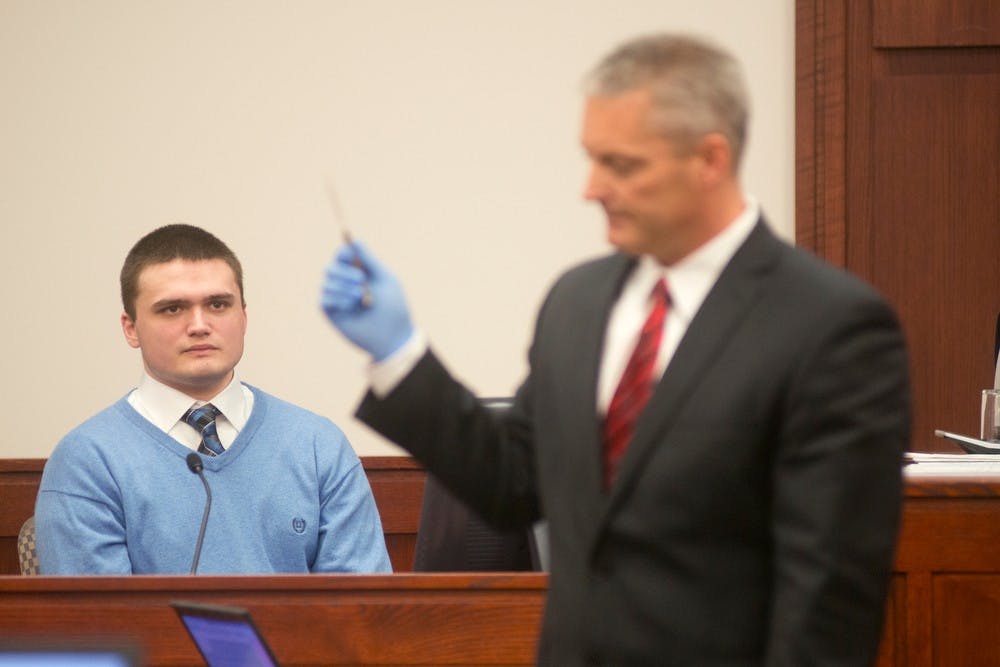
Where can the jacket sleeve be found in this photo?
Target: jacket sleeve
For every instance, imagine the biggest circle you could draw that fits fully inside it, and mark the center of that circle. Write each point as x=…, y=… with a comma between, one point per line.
x=485, y=459
x=837, y=491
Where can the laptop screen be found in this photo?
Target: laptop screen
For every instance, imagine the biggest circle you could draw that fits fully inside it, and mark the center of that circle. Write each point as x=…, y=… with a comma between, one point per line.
x=225, y=636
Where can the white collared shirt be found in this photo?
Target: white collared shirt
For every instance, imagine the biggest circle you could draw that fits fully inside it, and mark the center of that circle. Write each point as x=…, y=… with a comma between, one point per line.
x=688, y=281
x=164, y=406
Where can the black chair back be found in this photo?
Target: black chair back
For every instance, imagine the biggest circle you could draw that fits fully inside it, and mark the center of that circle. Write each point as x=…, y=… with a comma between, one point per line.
x=453, y=538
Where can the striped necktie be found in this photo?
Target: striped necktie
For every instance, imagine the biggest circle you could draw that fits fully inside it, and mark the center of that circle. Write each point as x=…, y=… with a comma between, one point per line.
x=635, y=386
x=203, y=420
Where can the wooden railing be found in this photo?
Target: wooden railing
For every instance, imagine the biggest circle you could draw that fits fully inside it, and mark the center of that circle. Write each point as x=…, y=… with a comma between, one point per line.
x=400, y=619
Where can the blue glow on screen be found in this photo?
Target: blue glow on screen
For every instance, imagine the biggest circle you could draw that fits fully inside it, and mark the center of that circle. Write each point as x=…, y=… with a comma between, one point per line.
x=228, y=643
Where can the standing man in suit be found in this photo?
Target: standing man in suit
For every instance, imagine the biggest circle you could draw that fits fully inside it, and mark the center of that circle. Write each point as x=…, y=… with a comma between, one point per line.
x=713, y=421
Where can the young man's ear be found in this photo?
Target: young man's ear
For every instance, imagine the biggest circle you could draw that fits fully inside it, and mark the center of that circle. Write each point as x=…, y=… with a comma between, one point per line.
x=128, y=328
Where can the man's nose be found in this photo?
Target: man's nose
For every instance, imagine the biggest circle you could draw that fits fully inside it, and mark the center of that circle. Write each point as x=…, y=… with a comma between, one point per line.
x=595, y=189
x=198, y=322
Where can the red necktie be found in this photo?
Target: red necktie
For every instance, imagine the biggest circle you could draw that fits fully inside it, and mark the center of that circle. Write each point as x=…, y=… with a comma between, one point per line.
x=635, y=387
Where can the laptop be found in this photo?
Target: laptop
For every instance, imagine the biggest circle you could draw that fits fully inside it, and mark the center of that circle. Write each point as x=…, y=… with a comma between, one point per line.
x=225, y=636
x=45, y=653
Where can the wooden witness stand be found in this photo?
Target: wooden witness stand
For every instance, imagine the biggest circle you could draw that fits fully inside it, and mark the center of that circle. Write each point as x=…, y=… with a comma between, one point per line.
x=401, y=619
x=398, y=619
x=942, y=608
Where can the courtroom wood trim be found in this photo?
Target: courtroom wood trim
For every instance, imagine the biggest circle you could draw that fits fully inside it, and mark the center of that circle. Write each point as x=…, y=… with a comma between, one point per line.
x=919, y=621
x=820, y=128
x=945, y=486
x=411, y=581
x=415, y=619
x=910, y=23
x=895, y=163
x=21, y=465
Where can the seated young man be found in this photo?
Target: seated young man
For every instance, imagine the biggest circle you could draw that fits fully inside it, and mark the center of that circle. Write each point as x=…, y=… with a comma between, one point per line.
x=117, y=497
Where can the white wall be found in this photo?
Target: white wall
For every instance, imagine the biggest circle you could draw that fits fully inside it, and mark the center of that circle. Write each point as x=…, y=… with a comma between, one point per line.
x=450, y=127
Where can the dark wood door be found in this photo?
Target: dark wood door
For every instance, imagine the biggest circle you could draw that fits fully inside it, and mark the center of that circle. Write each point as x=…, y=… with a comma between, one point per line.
x=898, y=179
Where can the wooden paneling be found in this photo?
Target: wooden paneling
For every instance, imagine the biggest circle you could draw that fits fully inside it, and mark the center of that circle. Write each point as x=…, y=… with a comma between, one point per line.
x=460, y=619
x=892, y=651
x=897, y=154
x=19, y=479
x=923, y=23
x=950, y=524
x=820, y=119
x=950, y=534
x=398, y=486
x=948, y=556
x=966, y=609
x=938, y=208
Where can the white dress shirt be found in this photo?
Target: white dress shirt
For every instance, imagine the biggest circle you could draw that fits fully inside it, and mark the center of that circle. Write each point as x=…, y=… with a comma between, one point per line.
x=688, y=282
x=164, y=406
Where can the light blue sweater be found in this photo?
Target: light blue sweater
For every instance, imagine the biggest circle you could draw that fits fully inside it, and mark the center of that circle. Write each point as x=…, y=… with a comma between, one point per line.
x=289, y=495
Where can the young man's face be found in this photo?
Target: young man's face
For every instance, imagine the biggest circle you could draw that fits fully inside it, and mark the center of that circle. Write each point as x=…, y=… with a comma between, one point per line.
x=189, y=325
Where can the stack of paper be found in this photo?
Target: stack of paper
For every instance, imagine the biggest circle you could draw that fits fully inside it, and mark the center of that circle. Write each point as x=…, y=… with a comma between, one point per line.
x=950, y=464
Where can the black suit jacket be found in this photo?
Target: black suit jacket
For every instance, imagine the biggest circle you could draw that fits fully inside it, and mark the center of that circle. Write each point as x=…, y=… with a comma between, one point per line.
x=755, y=512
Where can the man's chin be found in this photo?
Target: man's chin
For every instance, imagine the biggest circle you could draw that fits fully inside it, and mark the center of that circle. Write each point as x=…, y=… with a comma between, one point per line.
x=623, y=242
x=206, y=379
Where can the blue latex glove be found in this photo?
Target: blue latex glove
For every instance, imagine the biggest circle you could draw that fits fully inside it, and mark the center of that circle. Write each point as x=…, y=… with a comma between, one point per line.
x=380, y=327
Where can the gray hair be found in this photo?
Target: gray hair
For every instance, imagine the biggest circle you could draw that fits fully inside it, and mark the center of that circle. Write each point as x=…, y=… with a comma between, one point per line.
x=697, y=87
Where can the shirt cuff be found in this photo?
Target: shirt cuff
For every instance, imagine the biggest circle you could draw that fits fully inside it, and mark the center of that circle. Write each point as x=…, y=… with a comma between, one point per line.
x=385, y=375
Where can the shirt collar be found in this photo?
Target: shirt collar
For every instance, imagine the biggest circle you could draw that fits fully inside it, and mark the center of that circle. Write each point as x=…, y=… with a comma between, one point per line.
x=166, y=406
x=690, y=279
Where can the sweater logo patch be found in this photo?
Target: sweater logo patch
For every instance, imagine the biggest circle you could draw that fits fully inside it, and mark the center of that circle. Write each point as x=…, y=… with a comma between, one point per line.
x=299, y=525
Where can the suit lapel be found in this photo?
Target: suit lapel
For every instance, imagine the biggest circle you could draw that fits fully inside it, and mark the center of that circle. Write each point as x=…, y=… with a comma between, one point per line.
x=580, y=395
x=739, y=286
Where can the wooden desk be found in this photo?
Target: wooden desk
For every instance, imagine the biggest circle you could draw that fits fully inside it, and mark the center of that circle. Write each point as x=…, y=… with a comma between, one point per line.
x=944, y=606
x=415, y=619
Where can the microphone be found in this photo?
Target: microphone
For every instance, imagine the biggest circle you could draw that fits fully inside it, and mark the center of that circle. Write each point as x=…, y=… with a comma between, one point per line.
x=195, y=466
